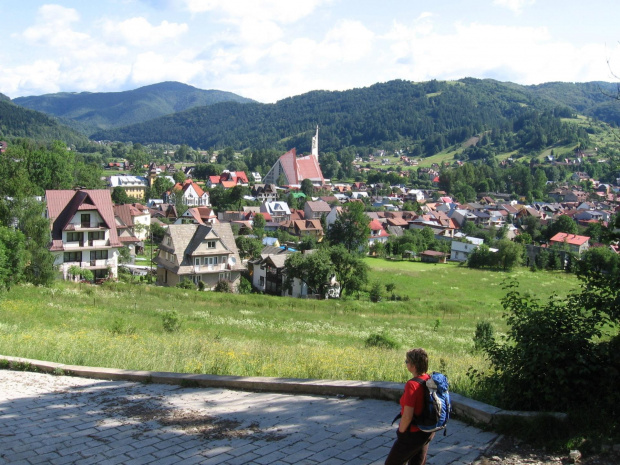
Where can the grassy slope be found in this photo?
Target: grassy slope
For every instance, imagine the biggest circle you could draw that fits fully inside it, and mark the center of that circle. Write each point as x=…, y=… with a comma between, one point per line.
x=121, y=325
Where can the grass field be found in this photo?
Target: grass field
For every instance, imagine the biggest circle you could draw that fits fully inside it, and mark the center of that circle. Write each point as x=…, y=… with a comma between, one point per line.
x=122, y=325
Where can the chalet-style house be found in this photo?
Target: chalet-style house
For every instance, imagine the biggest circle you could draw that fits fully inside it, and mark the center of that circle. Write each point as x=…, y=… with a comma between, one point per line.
x=228, y=179
x=377, y=233
x=198, y=215
x=191, y=194
x=134, y=186
x=291, y=170
x=265, y=192
x=199, y=253
x=135, y=216
x=575, y=243
x=268, y=270
x=269, y=275
x=302, y=228
x=83, y=231
x=315, y=210
x=279, y=212
x=132, y=225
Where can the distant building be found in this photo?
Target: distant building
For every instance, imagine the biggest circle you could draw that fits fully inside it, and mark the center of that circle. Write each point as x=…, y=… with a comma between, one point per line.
x=134, y=186
x=291, y=170
x=575, y=243
x=461, y=250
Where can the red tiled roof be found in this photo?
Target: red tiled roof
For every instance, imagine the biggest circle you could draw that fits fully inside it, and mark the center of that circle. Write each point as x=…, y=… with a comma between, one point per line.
x=186, y=184
x=62, y=206
x=572, y=239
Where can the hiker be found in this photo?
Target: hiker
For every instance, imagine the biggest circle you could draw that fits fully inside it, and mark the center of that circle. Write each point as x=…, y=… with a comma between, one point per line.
x=411, y=443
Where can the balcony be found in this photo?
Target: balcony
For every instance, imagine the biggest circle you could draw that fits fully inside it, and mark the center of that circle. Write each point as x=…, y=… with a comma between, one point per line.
x=85, y=226
x=208, y=268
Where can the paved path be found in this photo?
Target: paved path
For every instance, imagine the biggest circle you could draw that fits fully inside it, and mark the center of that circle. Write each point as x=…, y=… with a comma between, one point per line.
x=46, y=419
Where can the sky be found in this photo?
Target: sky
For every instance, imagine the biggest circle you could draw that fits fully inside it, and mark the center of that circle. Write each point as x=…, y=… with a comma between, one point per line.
x=268, y=50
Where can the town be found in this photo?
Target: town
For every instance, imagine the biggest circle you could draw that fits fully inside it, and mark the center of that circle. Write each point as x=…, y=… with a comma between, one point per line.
x=99, y=234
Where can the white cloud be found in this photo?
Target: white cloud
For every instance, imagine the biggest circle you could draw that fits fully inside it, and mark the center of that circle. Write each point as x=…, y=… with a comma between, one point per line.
x=53, y=27
x=151, y=67
x=139, y=32
x=527, y=55
x=514, y=5
x=279, y=11
x=253, y=31
x=38, y=77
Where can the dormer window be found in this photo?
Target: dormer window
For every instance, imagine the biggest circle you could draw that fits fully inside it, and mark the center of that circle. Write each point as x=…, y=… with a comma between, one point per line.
x=210, y=244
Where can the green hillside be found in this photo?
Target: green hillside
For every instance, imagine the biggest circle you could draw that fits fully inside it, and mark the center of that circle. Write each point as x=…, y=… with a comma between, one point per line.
x=16, y=121
x=104, y=110
x=422, y=118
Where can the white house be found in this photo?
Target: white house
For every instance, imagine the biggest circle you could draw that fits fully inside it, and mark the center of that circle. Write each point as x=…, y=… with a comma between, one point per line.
x=461, y=250
x=191, y=194
x=83, y=230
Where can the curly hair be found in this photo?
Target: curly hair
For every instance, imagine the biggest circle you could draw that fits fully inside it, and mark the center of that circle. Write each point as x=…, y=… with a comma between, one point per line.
x=419, y=359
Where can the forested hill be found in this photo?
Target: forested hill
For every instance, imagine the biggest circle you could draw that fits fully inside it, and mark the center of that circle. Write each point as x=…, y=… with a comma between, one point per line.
x=105, y=110
x=16, y=121
x=430, y=115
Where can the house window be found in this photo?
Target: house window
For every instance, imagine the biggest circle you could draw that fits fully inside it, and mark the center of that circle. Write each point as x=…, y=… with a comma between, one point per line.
x=225, y=276
x=96, y=235
x=75, y=236
x=100, y=274
x=262, y=281
x=210, y=244
x=197, y=261
x=99, y=255
x=85, y=220
x=72, y=257
x=168, y=240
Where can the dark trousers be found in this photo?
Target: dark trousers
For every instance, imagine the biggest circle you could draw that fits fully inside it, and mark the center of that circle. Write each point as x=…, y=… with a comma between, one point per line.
x=410, y=449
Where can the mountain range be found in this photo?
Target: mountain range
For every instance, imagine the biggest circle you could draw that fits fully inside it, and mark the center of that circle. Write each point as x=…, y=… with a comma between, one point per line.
x=92, y=111
x=428, y=115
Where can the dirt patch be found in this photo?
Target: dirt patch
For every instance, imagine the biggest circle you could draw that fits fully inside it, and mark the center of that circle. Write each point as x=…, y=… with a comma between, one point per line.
x=194, y=422
x=511, y=451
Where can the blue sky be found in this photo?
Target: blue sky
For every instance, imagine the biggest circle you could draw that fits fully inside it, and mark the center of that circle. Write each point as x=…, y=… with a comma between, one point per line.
x=272, y=49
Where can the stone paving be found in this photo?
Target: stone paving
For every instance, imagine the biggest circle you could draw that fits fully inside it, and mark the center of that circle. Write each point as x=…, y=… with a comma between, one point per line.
x=46, y=419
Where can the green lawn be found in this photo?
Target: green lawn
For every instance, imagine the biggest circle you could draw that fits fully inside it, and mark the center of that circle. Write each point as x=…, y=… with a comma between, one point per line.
x=121, y=325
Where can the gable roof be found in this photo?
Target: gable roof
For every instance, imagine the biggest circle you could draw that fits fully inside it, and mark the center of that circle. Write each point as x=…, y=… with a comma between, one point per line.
x=187, y=239
x=296, y=169
x=63, y=205
x=318, y=206
x=572, y=239
x=187, y=184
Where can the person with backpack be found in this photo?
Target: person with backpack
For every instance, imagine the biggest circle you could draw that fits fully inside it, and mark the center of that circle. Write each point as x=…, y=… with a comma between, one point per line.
x=412, y=443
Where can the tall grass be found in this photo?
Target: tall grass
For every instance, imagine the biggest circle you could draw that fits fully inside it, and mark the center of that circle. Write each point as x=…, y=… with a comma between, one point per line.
x=122, y=326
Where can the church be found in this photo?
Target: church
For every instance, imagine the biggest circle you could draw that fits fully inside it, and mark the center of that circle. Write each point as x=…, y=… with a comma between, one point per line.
x=290, y=170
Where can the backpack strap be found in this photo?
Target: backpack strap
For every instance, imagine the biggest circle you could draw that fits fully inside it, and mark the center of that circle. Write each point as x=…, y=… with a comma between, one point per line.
x=421, y=382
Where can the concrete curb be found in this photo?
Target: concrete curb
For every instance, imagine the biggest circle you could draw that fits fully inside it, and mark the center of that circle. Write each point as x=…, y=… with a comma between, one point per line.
x=462, y=406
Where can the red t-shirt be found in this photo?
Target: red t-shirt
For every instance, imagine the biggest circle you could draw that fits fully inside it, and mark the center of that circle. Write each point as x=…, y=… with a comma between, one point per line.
x=413, y=397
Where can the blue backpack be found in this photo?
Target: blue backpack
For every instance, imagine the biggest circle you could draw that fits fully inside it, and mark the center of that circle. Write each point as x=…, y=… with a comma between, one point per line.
x=437, y=406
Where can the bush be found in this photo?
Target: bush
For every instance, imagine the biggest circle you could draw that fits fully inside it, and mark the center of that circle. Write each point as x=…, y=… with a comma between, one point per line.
x=483, y=335
x=171, y=321
x=186, y=284
x=551, y=356
x=245, y=286
x=376, y=292
x=382, y=341
x=222, y=286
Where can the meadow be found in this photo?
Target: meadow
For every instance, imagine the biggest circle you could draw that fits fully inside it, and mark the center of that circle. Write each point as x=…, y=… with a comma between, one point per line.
x=138, y=326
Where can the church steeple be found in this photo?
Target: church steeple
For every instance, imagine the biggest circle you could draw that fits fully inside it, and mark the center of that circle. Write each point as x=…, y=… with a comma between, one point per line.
x=315, y=143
